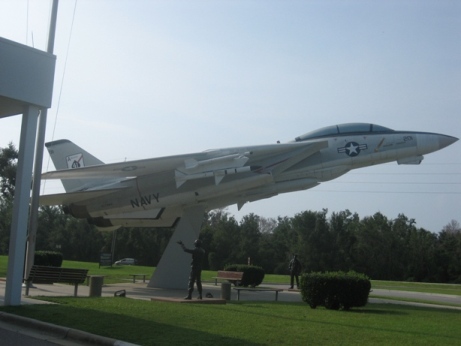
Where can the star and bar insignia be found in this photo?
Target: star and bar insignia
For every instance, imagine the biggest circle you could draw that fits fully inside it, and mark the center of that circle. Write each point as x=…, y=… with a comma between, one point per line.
x=352, y=149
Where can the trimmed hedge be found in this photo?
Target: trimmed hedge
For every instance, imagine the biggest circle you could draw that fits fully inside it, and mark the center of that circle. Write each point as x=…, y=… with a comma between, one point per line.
x=335, y=290
x=252, y=275
x=48, y=258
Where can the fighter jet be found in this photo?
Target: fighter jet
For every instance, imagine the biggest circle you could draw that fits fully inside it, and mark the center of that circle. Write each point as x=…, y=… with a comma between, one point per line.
x=175, y=191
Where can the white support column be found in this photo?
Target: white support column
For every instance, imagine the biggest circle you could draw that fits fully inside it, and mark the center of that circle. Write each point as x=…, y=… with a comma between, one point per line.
x=40, y=146
x=19, y=223
x=173, y=268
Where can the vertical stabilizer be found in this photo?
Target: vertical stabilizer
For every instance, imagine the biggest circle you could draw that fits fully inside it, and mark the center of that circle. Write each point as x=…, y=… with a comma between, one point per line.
x=67, y=155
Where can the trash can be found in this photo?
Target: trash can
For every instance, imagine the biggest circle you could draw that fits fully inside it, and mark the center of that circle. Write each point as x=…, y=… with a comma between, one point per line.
x=96, y=283
x=226, y=291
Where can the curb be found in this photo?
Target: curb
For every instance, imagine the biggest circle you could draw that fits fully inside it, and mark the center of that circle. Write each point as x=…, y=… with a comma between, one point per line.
x=60, y=332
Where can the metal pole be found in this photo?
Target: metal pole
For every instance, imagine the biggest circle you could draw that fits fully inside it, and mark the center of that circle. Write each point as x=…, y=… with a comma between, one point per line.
x=114, y=239
x=39, y=147
x=21, y=207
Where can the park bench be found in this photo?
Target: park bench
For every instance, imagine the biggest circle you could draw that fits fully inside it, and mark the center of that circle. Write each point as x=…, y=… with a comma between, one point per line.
x=234, y=277
x=141, y=275
x=258, y=289
x=50, y=275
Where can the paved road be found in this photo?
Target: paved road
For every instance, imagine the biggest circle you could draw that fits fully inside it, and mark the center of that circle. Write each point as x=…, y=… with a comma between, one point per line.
x=430, y=297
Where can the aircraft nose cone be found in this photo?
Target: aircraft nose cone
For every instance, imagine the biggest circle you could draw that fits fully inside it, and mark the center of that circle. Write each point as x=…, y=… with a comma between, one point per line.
x=445, y=141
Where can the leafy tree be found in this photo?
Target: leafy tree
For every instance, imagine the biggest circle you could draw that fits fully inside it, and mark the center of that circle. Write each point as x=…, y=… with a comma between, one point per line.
x=267, y=225
x=448, y=257
x=313, y=243
x=146, y=245
x=6, y=209
x=282, y=244
x=268, y=249
x=342, y=226
x=249, y=240
x=452, y=227
x=8, y=165
x=368, y=248
x=398, y=242
x=421, y=255
x=224, y=247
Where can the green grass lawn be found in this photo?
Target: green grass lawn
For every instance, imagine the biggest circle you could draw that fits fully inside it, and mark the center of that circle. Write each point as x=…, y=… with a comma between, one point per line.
x=249, y=323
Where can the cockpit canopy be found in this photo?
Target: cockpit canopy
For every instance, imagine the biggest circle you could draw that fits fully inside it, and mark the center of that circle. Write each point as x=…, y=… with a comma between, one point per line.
x=343, y=129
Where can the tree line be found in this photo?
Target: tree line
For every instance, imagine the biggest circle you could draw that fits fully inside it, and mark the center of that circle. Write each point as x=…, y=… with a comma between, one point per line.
x=379, y=247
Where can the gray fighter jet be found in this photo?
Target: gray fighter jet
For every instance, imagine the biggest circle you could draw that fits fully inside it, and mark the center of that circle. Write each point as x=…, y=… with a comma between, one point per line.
x=175, y=191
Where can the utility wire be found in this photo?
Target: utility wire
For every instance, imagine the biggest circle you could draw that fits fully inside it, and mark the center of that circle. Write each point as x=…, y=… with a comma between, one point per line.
x=392, y=192
x=391, y=182
x=64, y=72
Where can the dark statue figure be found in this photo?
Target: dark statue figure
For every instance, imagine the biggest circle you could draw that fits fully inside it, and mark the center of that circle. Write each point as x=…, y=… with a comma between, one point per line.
x=295, y=269
x=198, y=254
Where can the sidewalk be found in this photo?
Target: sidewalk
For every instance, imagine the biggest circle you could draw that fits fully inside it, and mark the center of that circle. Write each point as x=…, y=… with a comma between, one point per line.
x=139, y=290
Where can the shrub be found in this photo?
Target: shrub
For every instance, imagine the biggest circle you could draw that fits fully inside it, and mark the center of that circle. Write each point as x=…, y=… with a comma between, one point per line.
x=252, y=275
x=48, y=258
x=335, y=290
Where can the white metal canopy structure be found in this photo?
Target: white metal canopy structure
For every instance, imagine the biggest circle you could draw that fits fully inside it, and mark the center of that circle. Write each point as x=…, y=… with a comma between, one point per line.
x=26, y=85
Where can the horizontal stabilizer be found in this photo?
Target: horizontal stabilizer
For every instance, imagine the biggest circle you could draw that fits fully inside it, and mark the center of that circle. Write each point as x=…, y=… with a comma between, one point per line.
x=74, y=197
x=110, y=224
x=146, y=218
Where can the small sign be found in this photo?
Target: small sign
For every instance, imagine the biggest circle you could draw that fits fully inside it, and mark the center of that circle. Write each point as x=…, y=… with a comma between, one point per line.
x=105, y=260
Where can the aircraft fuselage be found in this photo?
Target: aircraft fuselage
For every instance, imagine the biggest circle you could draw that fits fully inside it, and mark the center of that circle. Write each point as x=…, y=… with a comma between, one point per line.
x=153, y=194
x=217, y=178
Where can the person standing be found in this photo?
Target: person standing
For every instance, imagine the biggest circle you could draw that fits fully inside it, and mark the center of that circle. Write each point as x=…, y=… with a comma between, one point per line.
x=198, y=254
x=295, y=269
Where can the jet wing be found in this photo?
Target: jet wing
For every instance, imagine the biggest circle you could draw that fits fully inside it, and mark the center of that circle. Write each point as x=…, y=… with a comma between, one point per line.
x=122, y=169
x=298, y=156
x=198, y=162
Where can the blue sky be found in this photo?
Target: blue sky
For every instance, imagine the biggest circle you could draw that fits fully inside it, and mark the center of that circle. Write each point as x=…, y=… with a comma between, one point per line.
x=140, y=79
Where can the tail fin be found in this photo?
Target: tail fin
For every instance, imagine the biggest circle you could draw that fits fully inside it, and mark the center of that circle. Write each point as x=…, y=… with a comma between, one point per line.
x=67, y=155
